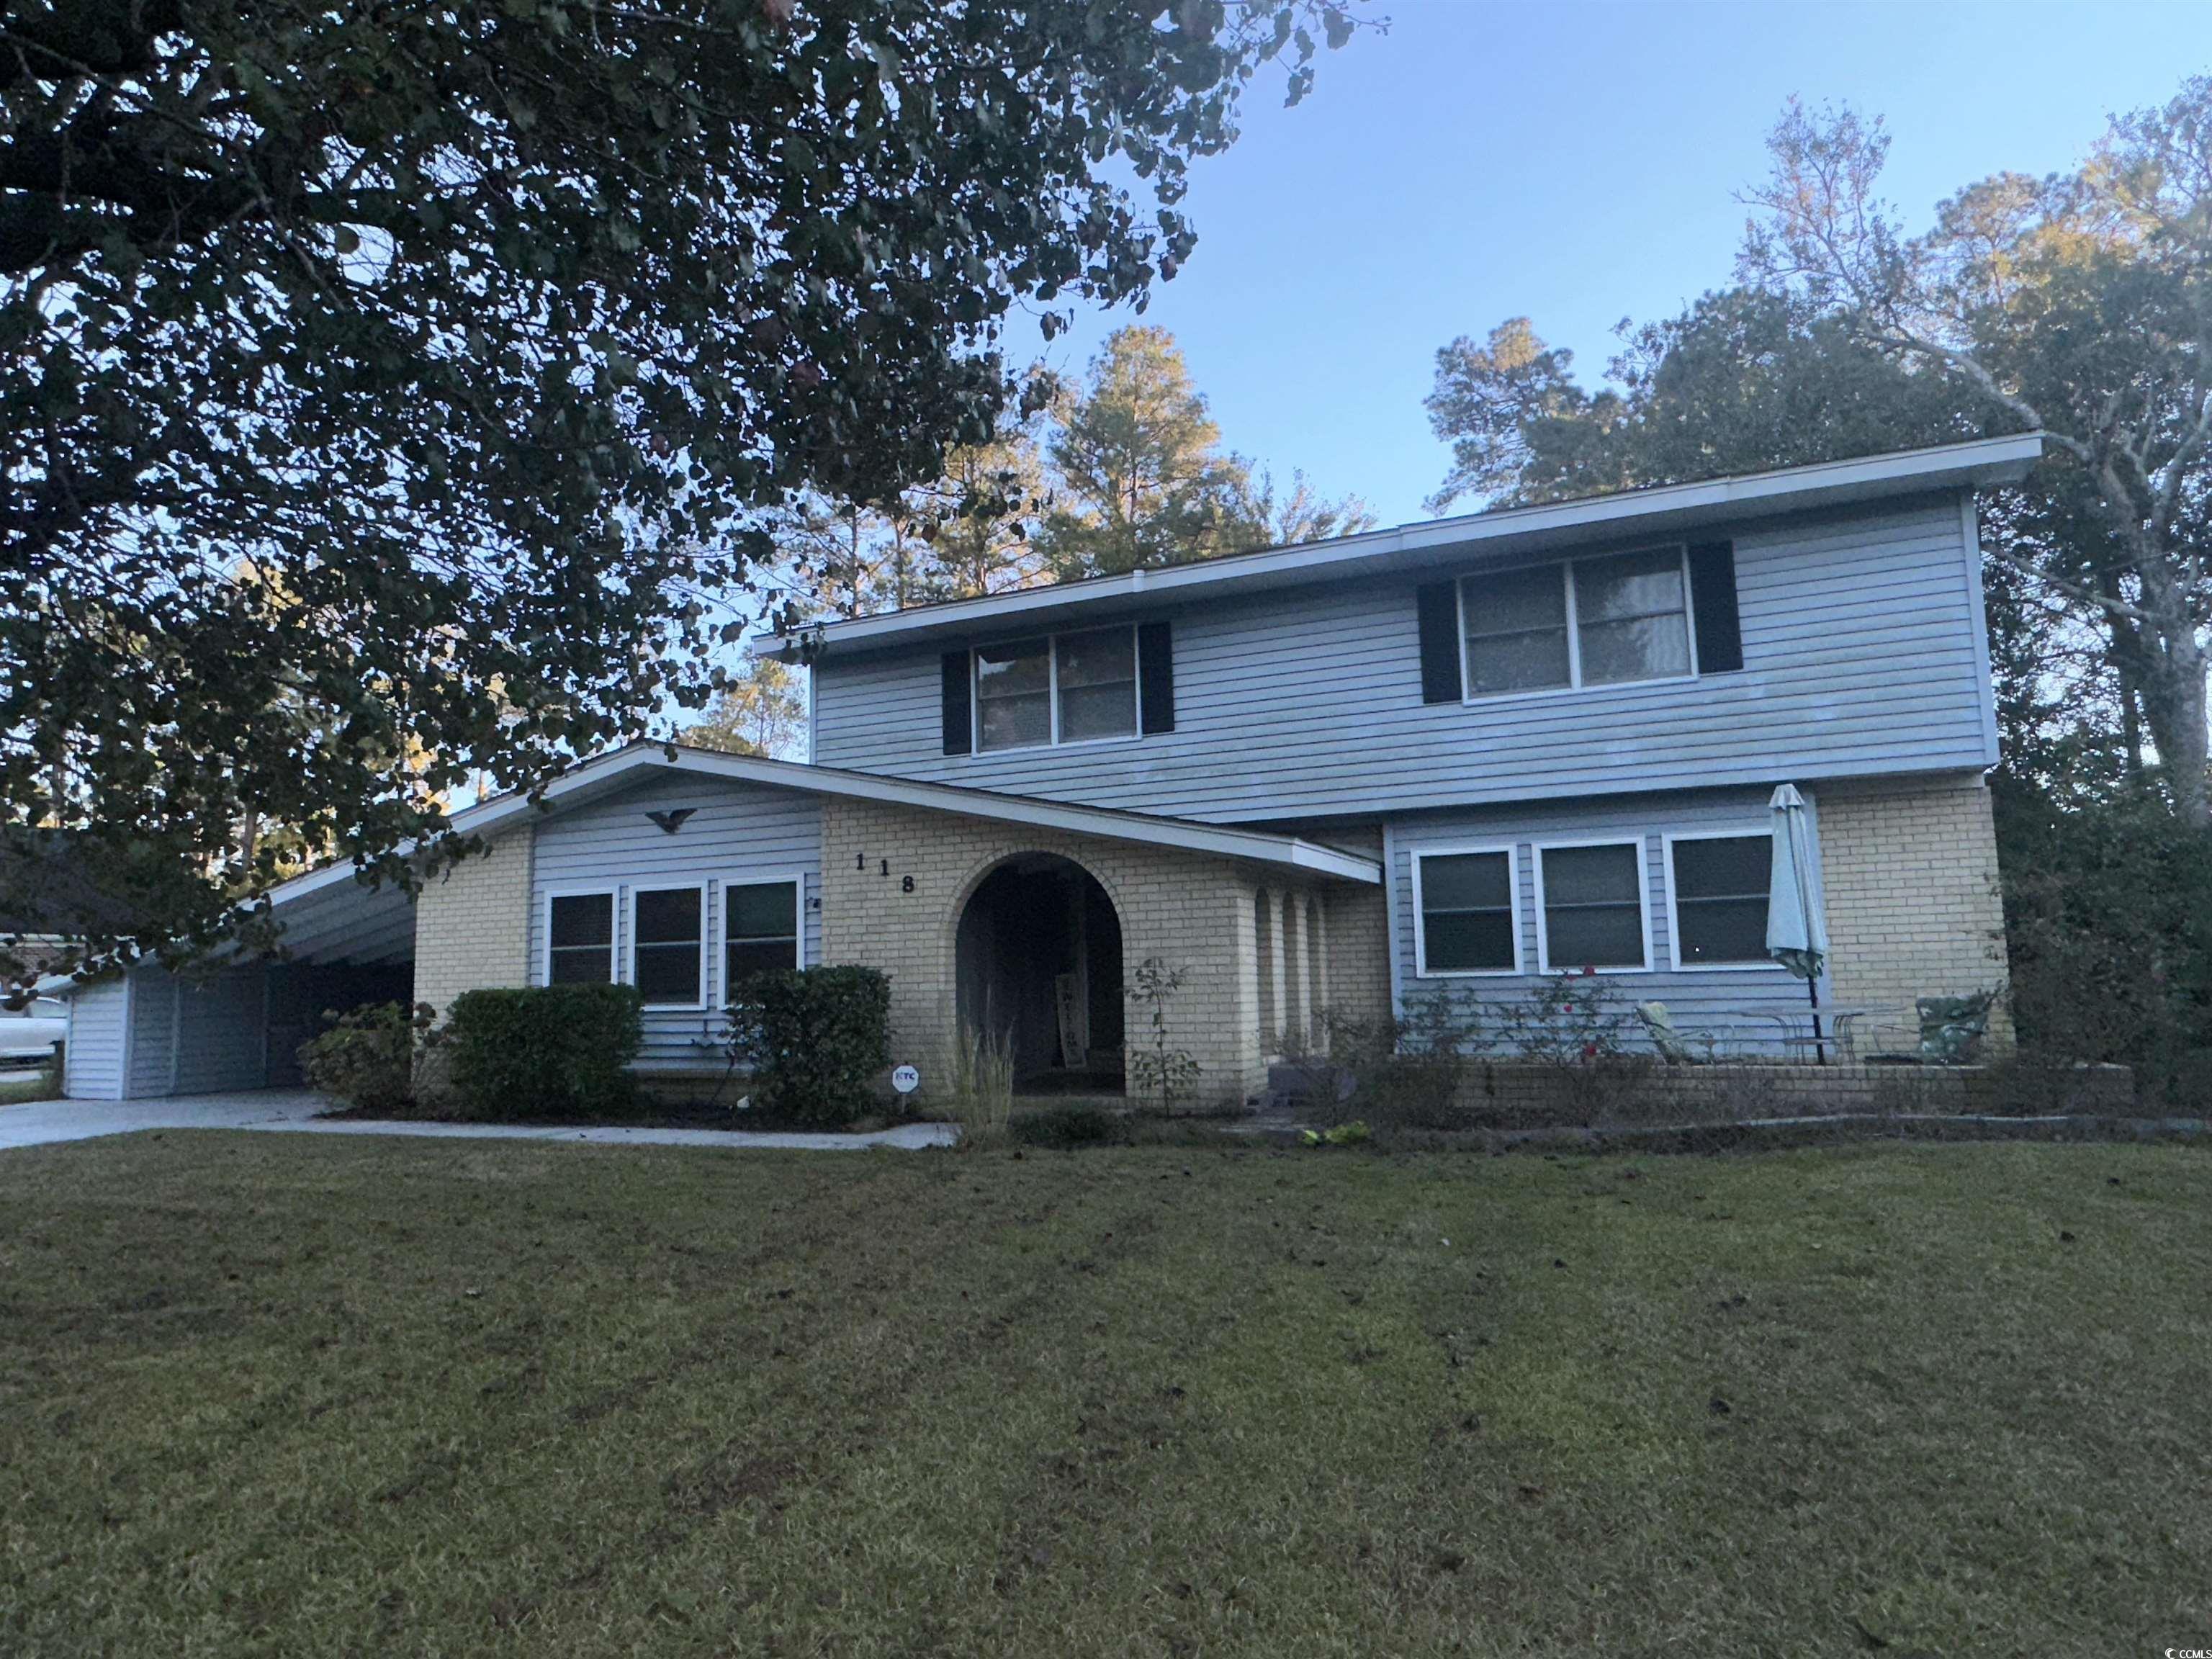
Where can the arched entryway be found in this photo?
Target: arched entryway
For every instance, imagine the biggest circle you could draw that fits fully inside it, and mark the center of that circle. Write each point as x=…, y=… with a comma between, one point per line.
x=1039, y=963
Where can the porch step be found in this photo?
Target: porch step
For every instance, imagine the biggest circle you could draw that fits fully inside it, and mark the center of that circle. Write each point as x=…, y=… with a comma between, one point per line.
x=1292, y=1083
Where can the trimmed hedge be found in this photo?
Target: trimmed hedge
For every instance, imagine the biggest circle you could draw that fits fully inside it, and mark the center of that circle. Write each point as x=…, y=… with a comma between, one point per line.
x=557, y=1051
x=816, y=1038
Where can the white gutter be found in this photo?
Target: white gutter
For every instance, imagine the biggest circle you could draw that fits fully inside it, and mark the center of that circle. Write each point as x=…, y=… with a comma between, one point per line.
x=1981, y=462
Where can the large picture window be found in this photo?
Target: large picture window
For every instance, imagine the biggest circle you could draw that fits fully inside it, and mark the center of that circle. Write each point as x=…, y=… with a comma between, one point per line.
x=580, y=933
x=667, y=946
x=1592, y=911
x=1606, y=621
x=1067, y=688
x=760, y=930
x=1717, y=886
x=1469, y=921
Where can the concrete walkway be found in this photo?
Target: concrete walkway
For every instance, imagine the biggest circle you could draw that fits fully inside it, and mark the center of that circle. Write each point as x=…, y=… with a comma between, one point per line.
x=44, y=1122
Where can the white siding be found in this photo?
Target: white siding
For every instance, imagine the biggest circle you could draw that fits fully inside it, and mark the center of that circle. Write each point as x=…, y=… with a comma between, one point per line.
x=1730, y=1002
x=737, y=831
x=1861, y=656
x=99, y=1031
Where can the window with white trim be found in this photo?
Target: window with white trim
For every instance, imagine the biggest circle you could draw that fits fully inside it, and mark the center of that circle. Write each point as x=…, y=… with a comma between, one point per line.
x=1469, y=921
x=1719, y=885
x=760, y=930
x=1063, y=688
x=667, y=946
x=1609, y=621
x=580, y=938
x=1593, y=909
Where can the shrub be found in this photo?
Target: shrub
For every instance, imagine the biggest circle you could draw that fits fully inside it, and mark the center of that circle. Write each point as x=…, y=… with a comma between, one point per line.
x=1156, y=1072
x=555, y=1051
x=816, y=1038
x=367, y=1057
x=1409, y=1073
x=1573, y=1025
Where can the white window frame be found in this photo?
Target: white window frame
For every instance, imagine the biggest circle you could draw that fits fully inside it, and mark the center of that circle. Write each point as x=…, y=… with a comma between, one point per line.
x=664, y=885
x=1052, y=684
x=1753, y=832
x=1641, y=840
x=1574, y=686
x=721, y=916
x=1512, y=851
x=612, y=894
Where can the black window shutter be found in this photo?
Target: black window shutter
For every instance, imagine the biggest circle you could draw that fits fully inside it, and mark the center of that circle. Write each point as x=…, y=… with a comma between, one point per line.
x=1439, y=607
x=959, y=725
x=1712, y=603
x=1155, y=674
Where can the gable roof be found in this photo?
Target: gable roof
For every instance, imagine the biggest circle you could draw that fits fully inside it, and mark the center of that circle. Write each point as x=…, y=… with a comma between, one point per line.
x=1661, y=509
x=621, y=768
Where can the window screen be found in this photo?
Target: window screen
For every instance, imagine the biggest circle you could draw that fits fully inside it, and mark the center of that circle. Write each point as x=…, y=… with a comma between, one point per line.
x=665, y=957
x=582, y=948
x=1098, y=684
x=1468, y=914
x=1517, y=631
x=1632, y=617
x=1013, y=694
x=1720, y=898
x=760, y=930
x=1593, y=907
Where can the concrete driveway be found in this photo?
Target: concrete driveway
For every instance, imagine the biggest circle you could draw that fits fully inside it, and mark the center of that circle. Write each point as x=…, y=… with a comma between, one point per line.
x=44, y=1122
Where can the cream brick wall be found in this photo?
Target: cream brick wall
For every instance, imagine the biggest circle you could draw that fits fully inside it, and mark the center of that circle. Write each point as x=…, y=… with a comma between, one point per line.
x=1910, y=868
x=1194, y=911
x=472, y=924
x=1359, y=925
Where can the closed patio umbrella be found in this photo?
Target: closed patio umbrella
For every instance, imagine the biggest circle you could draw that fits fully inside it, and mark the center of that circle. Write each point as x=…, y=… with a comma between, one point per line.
x=1795, y=936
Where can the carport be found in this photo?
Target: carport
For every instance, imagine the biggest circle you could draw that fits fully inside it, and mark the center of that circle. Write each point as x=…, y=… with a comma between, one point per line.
x=238, y=1023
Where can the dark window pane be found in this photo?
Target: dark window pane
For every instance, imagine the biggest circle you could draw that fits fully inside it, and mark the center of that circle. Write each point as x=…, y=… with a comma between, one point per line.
x=1457, y=942
x=1720, y=930
x=1097, y=711
x=741, y=961
x=1591, y=875
x=590, y=964
x=668, y=973
x=583, y=919
x=1517, y=662
x=1106, y=656
x=1603, y=936
x=1465, y=881
x=1514, y=601
x=761, y=910
x=1644, y=648
x=1734, y=866
x=1013, y=722
x=1004, y=671
x=1633, y=585
x=668, y=915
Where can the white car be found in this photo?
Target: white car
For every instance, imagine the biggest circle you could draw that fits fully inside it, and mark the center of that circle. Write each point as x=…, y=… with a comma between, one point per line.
x=29, y=1034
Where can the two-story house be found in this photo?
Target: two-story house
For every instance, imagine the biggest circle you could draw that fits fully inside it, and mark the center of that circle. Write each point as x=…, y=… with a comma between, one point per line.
x=1459, y=754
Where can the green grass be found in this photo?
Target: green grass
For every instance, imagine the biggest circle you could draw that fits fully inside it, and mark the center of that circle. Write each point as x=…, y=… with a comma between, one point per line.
x=264, y=1394
x=18, y=1088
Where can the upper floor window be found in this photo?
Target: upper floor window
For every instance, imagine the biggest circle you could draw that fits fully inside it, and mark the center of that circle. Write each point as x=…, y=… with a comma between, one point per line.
x=1065, y=688
x=1589, y=622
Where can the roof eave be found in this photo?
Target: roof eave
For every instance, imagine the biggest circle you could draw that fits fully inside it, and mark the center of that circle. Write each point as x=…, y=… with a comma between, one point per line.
x=1980, y=463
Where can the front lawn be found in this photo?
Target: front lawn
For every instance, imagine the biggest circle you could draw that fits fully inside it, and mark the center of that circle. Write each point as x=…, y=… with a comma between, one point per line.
x=297, y=1394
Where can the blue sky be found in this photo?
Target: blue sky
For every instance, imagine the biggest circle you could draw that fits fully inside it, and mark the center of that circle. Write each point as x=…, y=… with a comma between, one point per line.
x=1576, y=163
